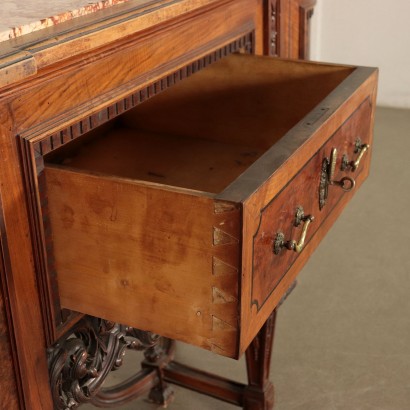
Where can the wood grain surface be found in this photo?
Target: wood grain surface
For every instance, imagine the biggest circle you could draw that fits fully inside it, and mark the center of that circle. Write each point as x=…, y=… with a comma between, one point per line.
x=164, y=259
x=8, y=389
x=241, y=99
x=22, y=291
x=194, y=163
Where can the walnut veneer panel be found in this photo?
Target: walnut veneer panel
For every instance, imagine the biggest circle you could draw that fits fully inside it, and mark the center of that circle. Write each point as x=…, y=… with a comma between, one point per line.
x=303, y=190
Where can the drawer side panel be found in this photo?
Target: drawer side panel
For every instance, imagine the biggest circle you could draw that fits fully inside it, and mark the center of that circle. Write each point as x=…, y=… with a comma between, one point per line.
x=154, y=259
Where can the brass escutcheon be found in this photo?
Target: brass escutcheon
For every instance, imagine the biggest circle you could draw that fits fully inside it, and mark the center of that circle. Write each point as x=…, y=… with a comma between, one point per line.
x=327, y=178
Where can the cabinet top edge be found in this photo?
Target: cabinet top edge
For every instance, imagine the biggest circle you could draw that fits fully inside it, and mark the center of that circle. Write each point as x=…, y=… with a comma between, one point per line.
x=22, y=57
x=17, y=20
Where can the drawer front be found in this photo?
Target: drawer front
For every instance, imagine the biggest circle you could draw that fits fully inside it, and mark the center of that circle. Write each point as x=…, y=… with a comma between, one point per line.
x=309, y=193
x=272, y=270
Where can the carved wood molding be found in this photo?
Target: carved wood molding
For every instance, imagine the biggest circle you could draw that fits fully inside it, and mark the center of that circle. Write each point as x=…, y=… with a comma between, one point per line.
x=272, y=28
x=80, y=362
x=306, y=9
x=50, y=142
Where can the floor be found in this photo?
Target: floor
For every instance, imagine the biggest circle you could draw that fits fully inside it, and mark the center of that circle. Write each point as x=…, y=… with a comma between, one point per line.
x=343, y=336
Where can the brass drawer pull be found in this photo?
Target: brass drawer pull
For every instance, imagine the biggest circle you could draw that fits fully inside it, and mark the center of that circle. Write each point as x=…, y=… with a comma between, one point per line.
x=360, y=149
x=293, y=245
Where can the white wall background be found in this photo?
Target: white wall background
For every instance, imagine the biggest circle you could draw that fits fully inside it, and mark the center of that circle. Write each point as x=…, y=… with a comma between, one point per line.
x=371, y=33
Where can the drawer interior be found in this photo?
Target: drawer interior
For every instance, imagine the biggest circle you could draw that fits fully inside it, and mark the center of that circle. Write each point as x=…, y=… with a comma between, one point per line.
x=205, y=131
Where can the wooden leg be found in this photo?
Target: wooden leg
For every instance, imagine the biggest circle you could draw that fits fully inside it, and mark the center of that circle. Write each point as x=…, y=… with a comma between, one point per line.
x=157, y=358
x=259, y=395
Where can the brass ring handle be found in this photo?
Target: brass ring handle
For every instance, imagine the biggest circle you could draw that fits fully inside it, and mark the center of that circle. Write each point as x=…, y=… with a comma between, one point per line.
x=346, y=183
x=354, y=164
x=328, y=169
x=293, y=245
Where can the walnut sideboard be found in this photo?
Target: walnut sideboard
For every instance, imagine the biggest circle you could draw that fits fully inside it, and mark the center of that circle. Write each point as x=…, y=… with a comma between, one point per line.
x=168, y=167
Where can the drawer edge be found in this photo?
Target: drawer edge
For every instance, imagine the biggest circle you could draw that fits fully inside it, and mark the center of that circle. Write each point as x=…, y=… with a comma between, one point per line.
x=288, y=155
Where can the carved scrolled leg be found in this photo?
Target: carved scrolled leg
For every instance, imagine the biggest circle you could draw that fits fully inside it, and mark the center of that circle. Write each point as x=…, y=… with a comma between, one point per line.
x=259, y=394
x=81, y=361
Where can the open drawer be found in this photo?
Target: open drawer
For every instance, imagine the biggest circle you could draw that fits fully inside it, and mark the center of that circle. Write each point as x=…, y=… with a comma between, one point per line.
x=191, y=214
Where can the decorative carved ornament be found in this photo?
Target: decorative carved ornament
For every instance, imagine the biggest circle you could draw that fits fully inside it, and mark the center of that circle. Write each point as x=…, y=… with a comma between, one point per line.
x=81, y=361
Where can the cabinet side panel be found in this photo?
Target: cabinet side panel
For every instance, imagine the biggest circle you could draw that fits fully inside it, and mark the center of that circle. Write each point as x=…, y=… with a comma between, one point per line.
x=8, y=388
x=21, y=290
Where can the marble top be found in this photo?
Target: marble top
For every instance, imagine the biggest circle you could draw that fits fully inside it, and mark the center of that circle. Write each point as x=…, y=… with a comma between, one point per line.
x=18, y=17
